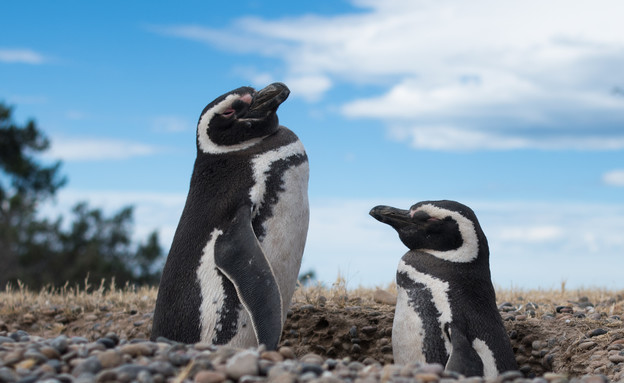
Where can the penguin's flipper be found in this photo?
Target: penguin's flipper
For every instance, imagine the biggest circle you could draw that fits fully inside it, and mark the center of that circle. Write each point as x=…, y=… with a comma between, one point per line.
x=240, y=258
x=464, y=358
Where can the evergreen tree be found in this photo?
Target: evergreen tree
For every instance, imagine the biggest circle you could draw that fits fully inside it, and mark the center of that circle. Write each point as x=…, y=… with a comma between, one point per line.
x=40, y=251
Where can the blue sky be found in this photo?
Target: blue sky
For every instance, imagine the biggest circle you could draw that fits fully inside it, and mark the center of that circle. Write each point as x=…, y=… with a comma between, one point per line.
x=514, y=109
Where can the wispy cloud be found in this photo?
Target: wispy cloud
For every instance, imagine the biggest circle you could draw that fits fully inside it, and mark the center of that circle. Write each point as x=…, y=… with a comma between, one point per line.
x=21, y=56
x=98, y=149
x=614, y=178
x=152, y=210
x=172, y=124
x=473, y=69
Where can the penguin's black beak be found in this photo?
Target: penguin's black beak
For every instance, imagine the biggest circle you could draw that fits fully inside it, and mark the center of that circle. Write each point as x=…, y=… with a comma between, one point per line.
x=268, y=99
x=394, y=217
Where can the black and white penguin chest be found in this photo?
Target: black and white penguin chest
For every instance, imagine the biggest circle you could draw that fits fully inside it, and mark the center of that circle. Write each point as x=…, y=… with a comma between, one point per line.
x=235, y=257
x=446, y=306
x=277, y=199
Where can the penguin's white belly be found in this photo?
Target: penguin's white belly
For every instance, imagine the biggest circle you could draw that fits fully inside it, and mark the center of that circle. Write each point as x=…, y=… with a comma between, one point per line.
x=286, y=232
x=408, y=332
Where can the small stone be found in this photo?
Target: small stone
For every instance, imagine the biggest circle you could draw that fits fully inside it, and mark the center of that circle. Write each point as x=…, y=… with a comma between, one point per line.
x=426, y=377
x=6, y=339
x=90, y=317
x=90, y=365
x=107, y=342
x=209, y=377
x=36, y=355
x=128, y=372
x=79, y=340
x=137, y=349
x=369, y=361
x=312, y=358
x=241, y=364
x=273, y=356
x=287, y=352
x=60, y=343
x=26, y=364
x=353, y=332
x=597, y=332
x=594, y=379
x=7, y=375
x=356, y=366
x=511, y=375
x=145, y=376
x=110, y=358
x=617, y=358
x=50, y=352
x=311, y=367
x=433, y=368
x=551, y=376
x=586, y=345
x=384, y=297
x=564, y=309
x=281, y=376
x=13, y=357
x=166, y=369
x=368, y=330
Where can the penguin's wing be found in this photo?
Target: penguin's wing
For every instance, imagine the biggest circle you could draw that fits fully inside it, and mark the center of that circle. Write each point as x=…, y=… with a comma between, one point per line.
x=464, y=358
x=240, y=258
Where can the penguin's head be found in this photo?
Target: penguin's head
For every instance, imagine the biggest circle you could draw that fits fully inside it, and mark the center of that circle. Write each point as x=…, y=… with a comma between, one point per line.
x=445, y=229
x=240, y=118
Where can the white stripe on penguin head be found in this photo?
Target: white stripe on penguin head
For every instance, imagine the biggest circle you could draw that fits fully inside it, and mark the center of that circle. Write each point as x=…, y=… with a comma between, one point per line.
x=205, y=143
x=469, y=250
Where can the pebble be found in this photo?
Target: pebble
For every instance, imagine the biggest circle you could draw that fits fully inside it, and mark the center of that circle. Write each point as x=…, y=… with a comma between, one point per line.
x=241, y=364
x=597, y=332
x=209, y=377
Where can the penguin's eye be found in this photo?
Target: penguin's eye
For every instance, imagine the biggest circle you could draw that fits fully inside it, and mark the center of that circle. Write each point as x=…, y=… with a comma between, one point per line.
x=229, y=112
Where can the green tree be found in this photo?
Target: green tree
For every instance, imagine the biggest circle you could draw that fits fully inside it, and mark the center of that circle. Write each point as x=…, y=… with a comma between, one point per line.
x=41, y=251
x=24, y=182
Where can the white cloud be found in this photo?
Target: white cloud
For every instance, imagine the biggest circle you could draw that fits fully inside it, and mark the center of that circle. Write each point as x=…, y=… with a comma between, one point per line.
x=172, y=124
x=153, y=210
x=476, y=68
x=310, y=87
x=97, y=149
x=531, y=233
x=21, y=56
x=614, y=178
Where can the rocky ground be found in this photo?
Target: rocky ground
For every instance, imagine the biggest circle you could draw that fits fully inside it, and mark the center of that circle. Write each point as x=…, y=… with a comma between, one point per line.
x=554, y=338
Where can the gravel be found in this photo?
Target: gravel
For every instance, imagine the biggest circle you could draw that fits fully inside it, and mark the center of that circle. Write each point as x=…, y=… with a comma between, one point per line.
x=74, y=359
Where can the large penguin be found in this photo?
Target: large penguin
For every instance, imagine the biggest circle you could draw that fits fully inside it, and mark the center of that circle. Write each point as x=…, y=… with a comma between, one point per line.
x=235, y=257
x=446, y=306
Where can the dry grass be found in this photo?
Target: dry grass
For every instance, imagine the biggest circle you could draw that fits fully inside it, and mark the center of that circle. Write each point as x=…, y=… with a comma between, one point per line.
x=76, y=299
x=108, y=296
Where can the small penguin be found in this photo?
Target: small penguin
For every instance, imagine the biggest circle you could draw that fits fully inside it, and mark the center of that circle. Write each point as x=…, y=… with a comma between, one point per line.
x=235, y=257
x=446, y=306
